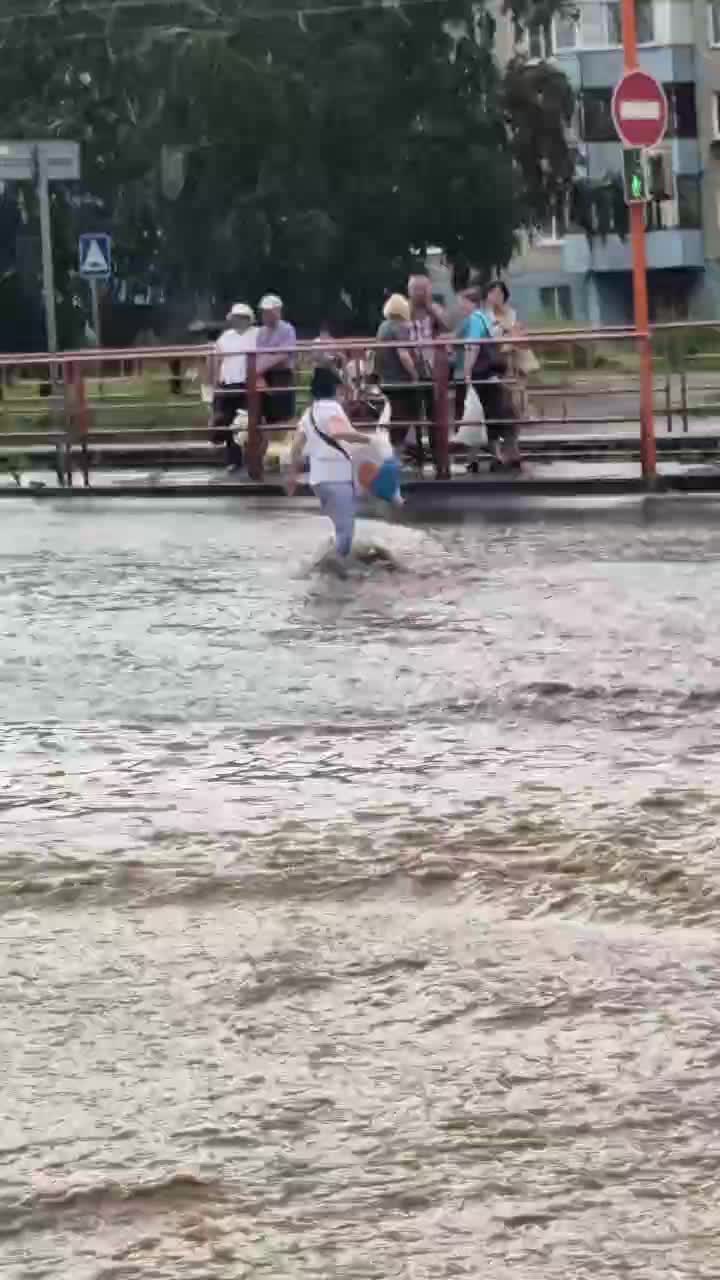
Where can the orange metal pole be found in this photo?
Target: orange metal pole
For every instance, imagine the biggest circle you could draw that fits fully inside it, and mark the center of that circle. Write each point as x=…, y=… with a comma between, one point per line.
x=648, y=450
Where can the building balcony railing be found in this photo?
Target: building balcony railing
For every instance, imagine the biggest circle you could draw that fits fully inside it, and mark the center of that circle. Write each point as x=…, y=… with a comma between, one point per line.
x=666, y=250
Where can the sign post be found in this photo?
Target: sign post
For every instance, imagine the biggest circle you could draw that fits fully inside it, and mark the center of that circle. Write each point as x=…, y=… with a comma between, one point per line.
x=95, y=311
x=42, y=163
x=640, y=112
x=48, y=266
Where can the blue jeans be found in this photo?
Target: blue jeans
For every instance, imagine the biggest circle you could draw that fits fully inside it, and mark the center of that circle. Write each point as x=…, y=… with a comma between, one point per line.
x=337, y=502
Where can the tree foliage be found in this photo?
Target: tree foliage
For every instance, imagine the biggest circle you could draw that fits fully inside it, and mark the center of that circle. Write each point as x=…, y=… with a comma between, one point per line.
x=231, y=149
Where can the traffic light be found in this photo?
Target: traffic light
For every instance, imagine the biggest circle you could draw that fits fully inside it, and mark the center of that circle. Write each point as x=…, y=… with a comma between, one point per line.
x=637, y=186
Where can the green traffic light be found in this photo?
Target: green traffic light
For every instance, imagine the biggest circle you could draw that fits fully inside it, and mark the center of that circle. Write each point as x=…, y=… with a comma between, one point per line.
x=636, y=178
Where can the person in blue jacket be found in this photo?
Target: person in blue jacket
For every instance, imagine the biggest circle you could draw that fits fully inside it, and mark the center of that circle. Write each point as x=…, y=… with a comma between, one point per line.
x=485, y=367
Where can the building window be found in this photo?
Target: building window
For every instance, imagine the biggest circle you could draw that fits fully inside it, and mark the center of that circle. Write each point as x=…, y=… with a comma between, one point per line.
x=556, y=301
x=597, y=121
x=552, y=230
x=683, y=111
x=556, y=225
x=716, y=115
x=645, y=17
x=596, y=24
x=661, y=176
x=598, y=125
x=541, y=44
x=689, y=201
x=714, y=21
x=566, y=31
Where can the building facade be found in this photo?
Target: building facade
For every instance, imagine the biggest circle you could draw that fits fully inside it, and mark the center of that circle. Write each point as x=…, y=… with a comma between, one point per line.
x=559, y=273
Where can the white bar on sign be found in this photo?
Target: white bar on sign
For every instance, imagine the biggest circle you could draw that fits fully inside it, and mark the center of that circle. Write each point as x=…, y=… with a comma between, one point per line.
x=640, y=110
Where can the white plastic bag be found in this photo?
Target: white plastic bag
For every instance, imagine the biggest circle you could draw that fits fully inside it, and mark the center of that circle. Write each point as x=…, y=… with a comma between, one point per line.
x=240, y=427
x=472, y=432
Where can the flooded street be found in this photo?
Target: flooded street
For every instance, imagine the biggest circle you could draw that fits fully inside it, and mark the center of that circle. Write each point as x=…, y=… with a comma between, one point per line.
x=359, y=930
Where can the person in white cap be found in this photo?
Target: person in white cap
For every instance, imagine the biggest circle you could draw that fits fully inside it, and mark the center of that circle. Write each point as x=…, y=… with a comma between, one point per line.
x=276, y=343
x=231, y=351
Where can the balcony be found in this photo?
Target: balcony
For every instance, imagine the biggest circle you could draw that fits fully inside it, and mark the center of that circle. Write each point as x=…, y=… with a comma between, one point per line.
x=665, y=250
x=603, y=68
x=600, y=158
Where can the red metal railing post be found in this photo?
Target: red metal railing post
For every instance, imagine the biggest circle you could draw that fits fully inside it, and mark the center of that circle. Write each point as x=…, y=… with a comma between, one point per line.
x=441, y=405
x=255, y=440
x=69, y=374
x=82, y=421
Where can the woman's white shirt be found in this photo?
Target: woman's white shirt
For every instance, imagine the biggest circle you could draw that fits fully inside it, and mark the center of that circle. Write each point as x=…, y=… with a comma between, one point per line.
x=328, y=465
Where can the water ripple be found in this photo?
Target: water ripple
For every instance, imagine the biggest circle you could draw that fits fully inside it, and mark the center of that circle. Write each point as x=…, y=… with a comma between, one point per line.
x=359, y=929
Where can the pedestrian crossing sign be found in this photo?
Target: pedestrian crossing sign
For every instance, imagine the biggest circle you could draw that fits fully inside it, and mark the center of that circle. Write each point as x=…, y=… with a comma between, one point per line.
x=95, y=255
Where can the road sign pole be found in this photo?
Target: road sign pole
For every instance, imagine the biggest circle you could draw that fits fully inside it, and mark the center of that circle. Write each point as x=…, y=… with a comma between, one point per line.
x=95, y=301
x=648, y=449
x=48, y=272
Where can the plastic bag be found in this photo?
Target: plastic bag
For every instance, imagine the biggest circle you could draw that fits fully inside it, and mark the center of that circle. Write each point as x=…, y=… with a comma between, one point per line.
x=381, y=441
x=472, y=431
x=240, y=427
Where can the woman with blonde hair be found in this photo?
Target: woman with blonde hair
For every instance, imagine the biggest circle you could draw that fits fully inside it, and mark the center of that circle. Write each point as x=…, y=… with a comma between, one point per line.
x=395, y=367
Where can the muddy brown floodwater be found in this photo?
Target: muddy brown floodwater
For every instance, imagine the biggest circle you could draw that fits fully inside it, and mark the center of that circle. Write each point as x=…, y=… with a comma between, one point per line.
x=363, y=929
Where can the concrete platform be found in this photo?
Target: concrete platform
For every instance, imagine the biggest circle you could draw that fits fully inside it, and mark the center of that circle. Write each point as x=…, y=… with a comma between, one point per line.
x=175, y=451
x=562, y=479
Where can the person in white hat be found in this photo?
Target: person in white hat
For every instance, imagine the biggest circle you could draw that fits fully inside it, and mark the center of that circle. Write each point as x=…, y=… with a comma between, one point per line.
x=231, y=351
x=276, y=343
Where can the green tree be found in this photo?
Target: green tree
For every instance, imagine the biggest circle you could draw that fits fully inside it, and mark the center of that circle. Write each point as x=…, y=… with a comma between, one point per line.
x=311, y=152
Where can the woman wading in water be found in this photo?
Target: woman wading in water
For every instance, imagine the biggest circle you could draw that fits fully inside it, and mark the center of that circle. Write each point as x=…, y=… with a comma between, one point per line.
x=322, y=435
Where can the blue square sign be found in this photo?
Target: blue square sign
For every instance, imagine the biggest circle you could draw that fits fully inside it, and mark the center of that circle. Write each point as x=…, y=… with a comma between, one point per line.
x=95, y=255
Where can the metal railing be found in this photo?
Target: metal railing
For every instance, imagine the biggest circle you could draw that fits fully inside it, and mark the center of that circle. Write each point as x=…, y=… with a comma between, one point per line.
x=77, y=402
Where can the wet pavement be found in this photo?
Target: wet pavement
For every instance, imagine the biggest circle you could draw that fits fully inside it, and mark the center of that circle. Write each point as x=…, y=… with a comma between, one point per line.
x=359, y=928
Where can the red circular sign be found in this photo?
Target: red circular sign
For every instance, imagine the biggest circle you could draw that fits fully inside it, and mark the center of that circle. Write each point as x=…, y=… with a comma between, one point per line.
x=640, y=110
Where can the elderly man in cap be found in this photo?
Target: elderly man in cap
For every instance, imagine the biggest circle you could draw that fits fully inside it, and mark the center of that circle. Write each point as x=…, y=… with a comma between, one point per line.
x=231, y=352
x=276, y=342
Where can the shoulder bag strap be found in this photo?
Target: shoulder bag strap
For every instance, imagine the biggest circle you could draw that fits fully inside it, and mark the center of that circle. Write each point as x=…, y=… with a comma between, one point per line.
x=334, y=444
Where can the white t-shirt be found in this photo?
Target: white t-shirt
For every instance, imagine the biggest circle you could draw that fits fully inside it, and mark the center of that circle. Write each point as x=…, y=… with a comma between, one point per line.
x=327, y=464
x=233, y=347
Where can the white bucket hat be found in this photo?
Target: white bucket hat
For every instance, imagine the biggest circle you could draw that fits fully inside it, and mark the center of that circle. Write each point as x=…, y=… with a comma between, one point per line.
x=241, y=309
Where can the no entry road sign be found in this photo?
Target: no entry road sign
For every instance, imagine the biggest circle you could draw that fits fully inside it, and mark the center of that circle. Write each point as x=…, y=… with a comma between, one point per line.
x=640, y=110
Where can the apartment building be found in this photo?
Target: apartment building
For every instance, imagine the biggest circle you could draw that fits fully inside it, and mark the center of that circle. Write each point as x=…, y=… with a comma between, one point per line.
x=559, y=272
